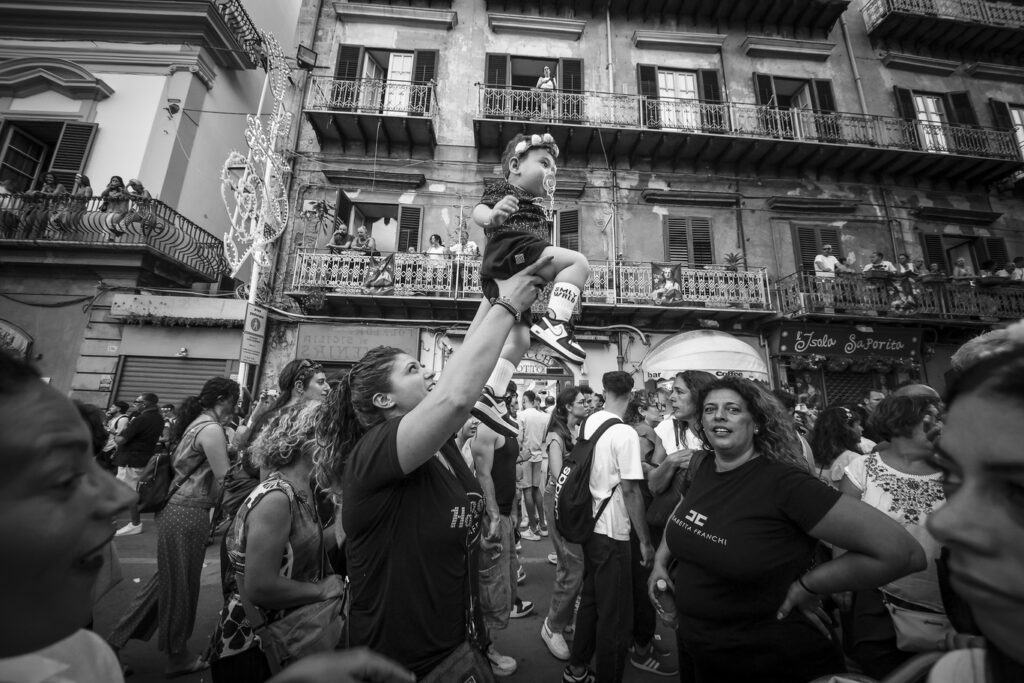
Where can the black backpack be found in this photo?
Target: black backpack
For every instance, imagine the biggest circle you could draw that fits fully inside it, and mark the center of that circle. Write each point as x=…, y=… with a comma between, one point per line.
x=573, y=501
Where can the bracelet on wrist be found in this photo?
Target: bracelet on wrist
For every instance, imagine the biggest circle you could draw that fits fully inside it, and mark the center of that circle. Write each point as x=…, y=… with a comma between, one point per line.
x=508, y=306
x=804, y=585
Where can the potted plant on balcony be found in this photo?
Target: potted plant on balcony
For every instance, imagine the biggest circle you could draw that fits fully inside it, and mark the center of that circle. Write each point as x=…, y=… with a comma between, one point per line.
x=733, y=260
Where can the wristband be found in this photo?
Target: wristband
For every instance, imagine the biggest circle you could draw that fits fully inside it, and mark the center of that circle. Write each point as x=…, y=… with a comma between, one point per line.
x=508, y=306
x=804, y=586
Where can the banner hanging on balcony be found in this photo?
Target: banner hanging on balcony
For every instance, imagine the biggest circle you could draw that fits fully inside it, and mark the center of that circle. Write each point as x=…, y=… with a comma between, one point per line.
x=716, y=352
x=833, y=340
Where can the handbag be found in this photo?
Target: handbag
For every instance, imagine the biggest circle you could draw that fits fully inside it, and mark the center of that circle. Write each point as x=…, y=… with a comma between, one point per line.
x=917, y=630
x=466, y=664
x=156, y=483
x=664, y=503
x=306, y=630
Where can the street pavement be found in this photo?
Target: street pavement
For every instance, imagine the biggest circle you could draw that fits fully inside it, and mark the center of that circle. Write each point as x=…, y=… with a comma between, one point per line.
x=521, y=640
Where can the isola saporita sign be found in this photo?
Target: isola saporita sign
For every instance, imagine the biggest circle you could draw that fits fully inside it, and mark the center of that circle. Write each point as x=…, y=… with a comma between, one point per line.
x=832, y=340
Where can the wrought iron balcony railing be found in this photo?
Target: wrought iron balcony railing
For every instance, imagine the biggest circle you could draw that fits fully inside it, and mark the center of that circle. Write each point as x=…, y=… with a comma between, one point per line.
x=372, y=96
x=742, y=119
x=610, y=283
x=242, y=26
x=143, y=222
x=1001, y=14
x=925, y=297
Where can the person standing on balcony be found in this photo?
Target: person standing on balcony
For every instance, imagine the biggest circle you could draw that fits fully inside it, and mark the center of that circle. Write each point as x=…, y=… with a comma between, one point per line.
x=71, y=218
x=46, y=201
x=341, y=241
x=878, y=263
x=517, y=231
x=436, y=251
x=115, y=201
x=141, y=208
x=825, y=263
x=465, y=248
x=363, y=243
x=961, y=269
x=546, y=84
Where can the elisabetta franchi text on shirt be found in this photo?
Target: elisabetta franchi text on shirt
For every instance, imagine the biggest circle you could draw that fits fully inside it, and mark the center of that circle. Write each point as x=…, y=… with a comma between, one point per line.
x=692, y=523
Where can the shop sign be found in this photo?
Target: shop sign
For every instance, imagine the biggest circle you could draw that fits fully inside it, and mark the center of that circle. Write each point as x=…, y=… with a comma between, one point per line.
x=349, y=343
x=832, y=340
x=253, y=335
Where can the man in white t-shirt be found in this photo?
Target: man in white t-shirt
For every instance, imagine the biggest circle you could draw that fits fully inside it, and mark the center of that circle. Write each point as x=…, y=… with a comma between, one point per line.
x=533, y=427
x=825, y=263
x=605, y=616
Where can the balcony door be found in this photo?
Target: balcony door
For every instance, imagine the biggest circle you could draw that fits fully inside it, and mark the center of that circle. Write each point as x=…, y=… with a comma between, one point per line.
x=678, y=100
x=932, y=121
x=399, y=82
x=371, y=84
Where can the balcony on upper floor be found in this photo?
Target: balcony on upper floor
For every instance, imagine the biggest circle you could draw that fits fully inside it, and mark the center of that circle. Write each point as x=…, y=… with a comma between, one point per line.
x=646, y=133
x=930, y=298
x=364, y=113
x=427, y=4
x=221, y=26
x=417, y=286
x=155, y=239
x=972, y=25
x=754, y=14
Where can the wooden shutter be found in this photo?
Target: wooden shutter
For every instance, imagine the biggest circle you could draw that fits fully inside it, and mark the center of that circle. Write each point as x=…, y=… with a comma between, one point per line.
x=647, y=86
x=824, y=100
x=496, y=71
x=410, y=219
x=349, y=62
x=570, y=78
x=808, y=240
x=1001, y=114
x=764, y=86
x=961, y=111
x=994, y=248
x=569, y=229
x=700, y=242
x=934, y=251
x=710, y=86
x=424, y=66
x=677, y=244
x=905, y=103
x=342, y=210
x=72, y=151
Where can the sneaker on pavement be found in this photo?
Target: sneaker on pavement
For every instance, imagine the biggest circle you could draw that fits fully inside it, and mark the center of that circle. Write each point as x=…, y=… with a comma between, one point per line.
x=524, y=523
x=555, y=642
x=651, y=662
x=543, y=531
x=530, y=535
x=521, y=609
x=520, y=575
x=558, y=338
x=129, y=529
x=502, y=665
x=553, y=558
x=586, y=677
x=494, y=414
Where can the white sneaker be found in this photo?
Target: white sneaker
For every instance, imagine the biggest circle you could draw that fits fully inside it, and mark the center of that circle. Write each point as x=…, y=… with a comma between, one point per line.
x=501, y=665
x=553, y=559
x=129, y=529
x=555, y=642
x=558, y=337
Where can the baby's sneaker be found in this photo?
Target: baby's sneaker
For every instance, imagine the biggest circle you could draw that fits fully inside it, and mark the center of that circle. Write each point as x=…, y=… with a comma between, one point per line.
x=558, y=337
x=493, y=413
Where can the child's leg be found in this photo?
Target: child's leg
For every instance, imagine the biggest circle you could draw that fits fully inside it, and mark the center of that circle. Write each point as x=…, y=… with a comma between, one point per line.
x=490, y=409
x=569, y=271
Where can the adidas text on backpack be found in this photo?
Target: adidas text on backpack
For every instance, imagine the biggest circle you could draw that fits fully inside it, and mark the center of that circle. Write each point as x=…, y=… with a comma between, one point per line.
x=574, y=518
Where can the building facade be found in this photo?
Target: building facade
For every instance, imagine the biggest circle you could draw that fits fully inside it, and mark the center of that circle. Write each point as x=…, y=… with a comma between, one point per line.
x=152, y=91
x=708, y=151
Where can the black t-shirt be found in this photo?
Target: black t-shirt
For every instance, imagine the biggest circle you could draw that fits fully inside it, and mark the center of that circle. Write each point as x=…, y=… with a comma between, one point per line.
x=741, y=539
x=503, y=473
x=529, y=218
x=140, y=438
x=408, y=539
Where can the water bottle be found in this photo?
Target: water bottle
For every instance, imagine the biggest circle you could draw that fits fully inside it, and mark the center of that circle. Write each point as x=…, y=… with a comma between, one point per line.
x=665, y=603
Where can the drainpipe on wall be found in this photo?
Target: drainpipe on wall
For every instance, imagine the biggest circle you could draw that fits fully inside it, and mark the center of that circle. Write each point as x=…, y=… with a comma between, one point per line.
x=853, y=65
x=614, y=223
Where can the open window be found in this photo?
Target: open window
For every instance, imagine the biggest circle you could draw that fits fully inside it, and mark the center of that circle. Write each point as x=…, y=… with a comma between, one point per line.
x=674, y=98
x=514, y=88
x=808, y=239
x=945, y=250
x=796, y=108
x=31, y=148
x=1010, y=116
x=381, y=80
x=937, y=118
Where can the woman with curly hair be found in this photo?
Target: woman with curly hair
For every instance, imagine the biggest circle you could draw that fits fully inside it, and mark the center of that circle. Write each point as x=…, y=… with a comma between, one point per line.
x=183, y=526
x=411, y=508
x=743, y=538
x=276, y=547
x=835, y=443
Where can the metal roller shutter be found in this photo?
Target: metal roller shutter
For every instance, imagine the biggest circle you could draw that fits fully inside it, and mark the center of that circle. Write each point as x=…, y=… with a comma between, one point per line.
x=172, y=379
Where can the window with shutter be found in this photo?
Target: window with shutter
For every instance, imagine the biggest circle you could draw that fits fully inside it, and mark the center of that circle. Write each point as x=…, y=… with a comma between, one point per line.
x=647, y=86
x=713, y=119
x=1001, y=114
x=342, y=210
x=570, y=76
x=961, y=110
x=410, y=219
x=677, y=243
x=72, y=151
x=807, y=240
x=994, y=248
x=423, y=72
x=347, y=68
x=497, y=71
x=700, y=242
x=569, y=229
x=688, y=241
x=496, y=104
x=934, y=251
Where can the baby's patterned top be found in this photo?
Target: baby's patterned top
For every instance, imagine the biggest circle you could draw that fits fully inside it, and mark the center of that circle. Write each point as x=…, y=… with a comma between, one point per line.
x=529, y=218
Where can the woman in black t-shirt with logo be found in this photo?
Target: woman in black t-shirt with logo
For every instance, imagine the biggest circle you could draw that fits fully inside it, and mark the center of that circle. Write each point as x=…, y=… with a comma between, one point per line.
x=749, y=603
x=411, y=508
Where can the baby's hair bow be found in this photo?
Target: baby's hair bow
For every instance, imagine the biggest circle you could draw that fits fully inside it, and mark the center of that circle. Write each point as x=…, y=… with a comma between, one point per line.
x=536, y=140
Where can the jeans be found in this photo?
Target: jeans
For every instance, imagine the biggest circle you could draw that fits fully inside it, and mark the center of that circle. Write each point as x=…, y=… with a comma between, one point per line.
x=568, y=572
x=498, y=568
x=604, y=622
x=645, y=619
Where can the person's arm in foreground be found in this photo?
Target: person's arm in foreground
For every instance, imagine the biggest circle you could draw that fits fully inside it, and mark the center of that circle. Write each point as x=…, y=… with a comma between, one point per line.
x=356, y=665
x=483, y=457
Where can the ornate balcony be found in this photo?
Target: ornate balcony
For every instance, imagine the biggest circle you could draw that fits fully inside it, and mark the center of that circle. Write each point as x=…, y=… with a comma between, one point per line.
x=446, y=289
x=953, y=301
x=663, y=134
x=156, y=238
x=972, y=25
x=362, y=113
x=221, y=26
x=813, y=14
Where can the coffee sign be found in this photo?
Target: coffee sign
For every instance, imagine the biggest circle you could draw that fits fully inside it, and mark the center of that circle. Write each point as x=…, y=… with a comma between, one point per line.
x=832, y=340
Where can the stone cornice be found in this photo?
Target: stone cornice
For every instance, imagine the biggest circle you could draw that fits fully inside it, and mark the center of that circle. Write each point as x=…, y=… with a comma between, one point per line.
x=943, y=214
x=28, y=76
x=549, y=27
x=399, y=16
x=719, y=200
x=677, y=41
x=921, y=65
x=787, y=48
x=380, y=180
x=811, y=205
x=564, y=189
x=996, y=72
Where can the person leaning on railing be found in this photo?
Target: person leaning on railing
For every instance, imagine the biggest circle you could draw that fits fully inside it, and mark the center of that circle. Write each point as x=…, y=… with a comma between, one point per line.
x=70, y=219
x=46, y=200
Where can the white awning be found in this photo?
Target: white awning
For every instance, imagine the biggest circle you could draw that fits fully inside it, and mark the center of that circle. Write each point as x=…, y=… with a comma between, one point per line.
x=716, y=352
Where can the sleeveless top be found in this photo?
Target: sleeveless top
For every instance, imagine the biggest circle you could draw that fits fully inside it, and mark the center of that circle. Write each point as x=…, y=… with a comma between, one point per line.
x=197, y=490
x=303, y=560
x=528, y=219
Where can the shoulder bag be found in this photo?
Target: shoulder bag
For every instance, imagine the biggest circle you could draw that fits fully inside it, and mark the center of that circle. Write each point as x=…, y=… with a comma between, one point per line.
x=664, y=503
x=156, y=483
x=918, y=629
